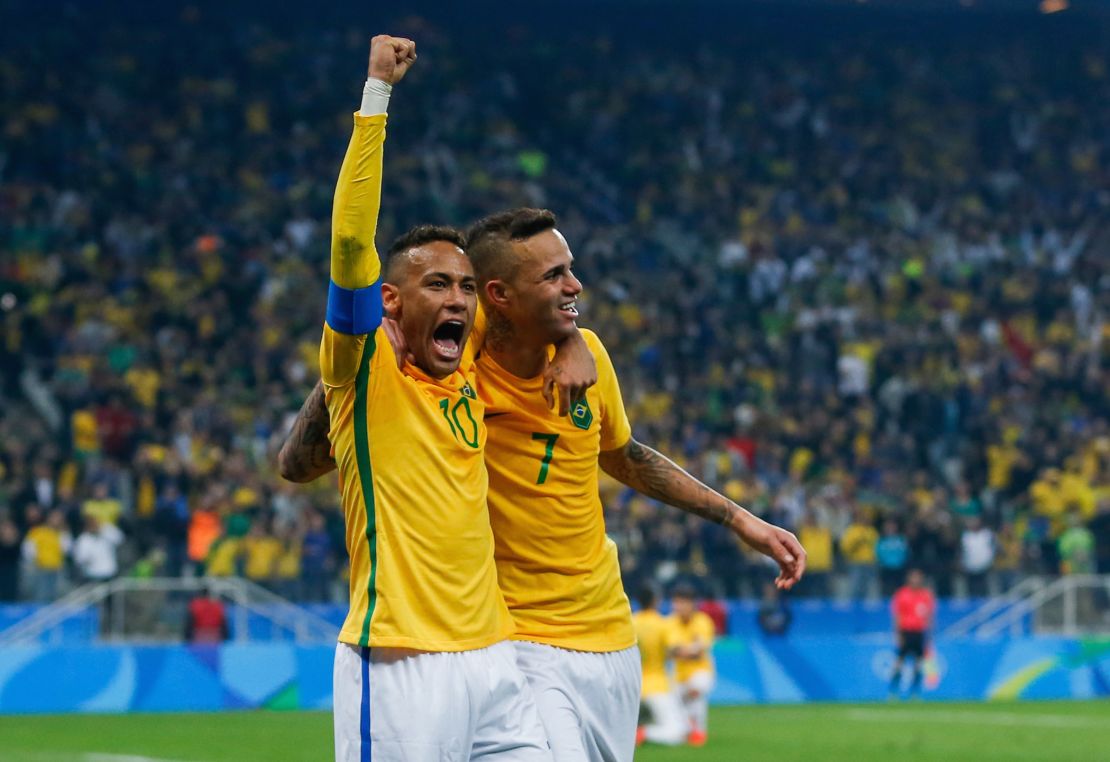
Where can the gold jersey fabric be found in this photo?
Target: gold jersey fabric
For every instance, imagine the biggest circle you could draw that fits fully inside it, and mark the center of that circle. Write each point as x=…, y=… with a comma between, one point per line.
x=656, y=638
x=698, y=630
x=557, y=568
x=410, y=454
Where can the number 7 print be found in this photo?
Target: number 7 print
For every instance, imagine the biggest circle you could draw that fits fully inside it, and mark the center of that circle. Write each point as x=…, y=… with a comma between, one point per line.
x=548, y=452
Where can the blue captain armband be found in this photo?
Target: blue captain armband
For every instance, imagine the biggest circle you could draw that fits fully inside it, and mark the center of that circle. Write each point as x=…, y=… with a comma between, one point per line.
x=355, y=310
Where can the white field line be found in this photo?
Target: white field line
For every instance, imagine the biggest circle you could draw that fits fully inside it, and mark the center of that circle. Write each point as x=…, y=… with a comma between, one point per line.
x=1005, y=719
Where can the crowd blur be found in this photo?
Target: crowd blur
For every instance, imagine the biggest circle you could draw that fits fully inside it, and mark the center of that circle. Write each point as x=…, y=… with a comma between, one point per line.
x=855, y=280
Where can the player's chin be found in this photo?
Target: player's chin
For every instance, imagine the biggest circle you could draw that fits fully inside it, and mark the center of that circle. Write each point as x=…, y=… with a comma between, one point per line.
x=564, y=326
x=444, y=367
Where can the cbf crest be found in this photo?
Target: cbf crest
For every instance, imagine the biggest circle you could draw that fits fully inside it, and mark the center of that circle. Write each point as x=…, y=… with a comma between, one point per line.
x=467, y=391
x=581, y=415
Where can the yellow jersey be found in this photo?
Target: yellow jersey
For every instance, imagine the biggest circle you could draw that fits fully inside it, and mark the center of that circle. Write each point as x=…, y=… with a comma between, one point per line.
x=262, y=554
x=50, y=547
x=656, y=638
x=857, y=544
x=557, y=568
x=409, y=449
x=698, y=631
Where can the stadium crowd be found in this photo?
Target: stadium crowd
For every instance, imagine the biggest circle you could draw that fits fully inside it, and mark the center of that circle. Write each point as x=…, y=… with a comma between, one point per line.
x=856, y=282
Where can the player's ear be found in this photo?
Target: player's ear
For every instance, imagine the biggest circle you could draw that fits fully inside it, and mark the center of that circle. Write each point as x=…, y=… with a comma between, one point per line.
x=391, y=301
x=497, y=293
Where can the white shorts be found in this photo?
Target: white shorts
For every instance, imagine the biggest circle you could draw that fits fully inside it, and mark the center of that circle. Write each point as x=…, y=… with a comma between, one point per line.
x=589, y=702
x=702, y=681
x=397, y=705
x=667, y=723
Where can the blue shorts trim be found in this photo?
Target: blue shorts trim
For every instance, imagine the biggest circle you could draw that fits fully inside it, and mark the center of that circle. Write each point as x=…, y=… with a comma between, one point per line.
x=364, y=714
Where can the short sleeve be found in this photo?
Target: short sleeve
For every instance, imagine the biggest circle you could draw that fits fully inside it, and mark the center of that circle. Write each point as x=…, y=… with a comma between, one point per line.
x=615, y=428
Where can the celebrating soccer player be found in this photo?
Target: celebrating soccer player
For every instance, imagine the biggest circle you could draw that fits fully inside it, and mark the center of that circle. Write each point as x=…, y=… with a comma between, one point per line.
x=421, y=670
x=556, y=566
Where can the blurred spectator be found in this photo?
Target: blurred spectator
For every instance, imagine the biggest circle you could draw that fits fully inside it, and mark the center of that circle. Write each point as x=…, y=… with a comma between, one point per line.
x=206, y=619
x=46, y=546
x=261, y=552
x=818, y=541
x=1100, y=529
x=857, y=547
x=774, y=615
x=102, y=506
x=171, y=527
x=287, y=570
x=95, y=552
x=977, y=554
x=1077, y=548
x=316, y=560
x=205, y=528
x=1008, y=559
x=892, y=553
x=225, y=557
x=11, y=557
x=932, y=544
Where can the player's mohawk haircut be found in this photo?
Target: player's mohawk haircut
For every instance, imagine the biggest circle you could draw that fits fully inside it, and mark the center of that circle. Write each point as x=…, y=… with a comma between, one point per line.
x=489, y=240
x=414, y=238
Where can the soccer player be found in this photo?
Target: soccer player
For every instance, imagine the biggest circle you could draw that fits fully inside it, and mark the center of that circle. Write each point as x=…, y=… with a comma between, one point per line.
x=655, y=637
x=913, y=607
x=422, y=671
x=693, y=660
x=556, y=566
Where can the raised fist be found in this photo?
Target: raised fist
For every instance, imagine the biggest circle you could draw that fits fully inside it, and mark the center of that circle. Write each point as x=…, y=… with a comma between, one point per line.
x=390, y=58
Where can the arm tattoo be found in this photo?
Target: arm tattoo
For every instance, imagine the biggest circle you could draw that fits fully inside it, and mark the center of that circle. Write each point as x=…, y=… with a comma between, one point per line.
x=306, y=454
x=649, y=472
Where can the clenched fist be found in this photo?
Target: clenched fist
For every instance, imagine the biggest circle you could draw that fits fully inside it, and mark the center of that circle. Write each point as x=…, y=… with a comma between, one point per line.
x=390, y=58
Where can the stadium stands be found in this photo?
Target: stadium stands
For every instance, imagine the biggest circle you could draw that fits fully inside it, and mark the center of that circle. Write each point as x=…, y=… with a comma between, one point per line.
x=845, y=279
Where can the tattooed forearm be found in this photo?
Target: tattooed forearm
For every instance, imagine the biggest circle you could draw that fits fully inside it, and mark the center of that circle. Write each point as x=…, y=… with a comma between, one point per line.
x=306, y=454
x=647, y=471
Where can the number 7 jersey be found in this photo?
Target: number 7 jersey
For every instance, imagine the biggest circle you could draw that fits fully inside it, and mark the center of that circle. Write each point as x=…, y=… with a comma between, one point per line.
x=556, y=567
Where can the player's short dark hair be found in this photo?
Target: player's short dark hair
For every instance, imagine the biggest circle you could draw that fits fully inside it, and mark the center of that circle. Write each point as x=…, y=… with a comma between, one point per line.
x=684, y=590
x=414, y=238
x=647, y=596
x=489, y=240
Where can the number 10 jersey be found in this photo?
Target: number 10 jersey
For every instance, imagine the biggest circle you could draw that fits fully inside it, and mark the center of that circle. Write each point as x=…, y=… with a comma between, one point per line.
x=413, y=481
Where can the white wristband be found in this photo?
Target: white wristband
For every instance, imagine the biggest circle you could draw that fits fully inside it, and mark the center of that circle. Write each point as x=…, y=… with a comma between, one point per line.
x=375, y=97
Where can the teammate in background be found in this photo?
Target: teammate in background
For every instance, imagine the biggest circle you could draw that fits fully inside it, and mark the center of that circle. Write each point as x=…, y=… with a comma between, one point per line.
x=913, y=607
x=692, y=637
x=556, y=567
x=667, y=722
x=422, y=671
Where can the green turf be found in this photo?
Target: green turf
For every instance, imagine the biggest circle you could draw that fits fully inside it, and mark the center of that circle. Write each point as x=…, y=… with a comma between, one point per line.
x=1056, y=732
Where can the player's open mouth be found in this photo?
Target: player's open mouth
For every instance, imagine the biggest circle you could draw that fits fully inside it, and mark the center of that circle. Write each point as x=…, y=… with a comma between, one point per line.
x=570, y=308
x=447, y=339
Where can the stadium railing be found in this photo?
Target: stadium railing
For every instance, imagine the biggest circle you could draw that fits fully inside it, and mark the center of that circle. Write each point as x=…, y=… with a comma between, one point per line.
x=154, y=610
x=1072, y=605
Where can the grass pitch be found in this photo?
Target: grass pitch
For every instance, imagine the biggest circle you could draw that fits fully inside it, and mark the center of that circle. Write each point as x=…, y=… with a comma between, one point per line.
x=1053, y=732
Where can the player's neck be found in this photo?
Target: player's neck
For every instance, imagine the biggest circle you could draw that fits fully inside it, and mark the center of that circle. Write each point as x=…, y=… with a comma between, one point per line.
x=513, y=352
